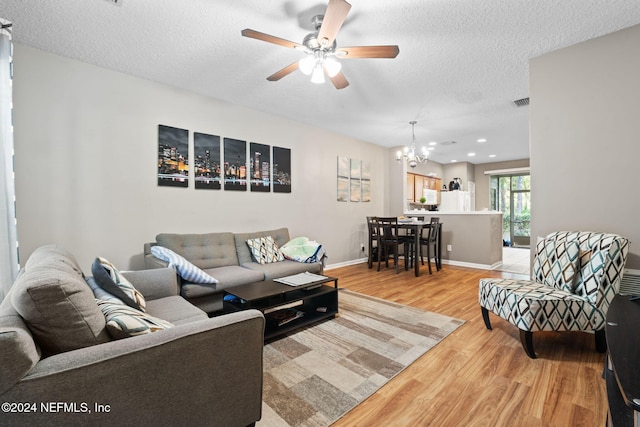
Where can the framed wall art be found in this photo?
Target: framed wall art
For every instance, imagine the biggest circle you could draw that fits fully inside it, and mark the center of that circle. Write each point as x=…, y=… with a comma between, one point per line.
x=281, y=170
x=365, y=185
x=206, y=165
x=235, y=165
x=343, y=179
x=173, y=156
x=260, y=167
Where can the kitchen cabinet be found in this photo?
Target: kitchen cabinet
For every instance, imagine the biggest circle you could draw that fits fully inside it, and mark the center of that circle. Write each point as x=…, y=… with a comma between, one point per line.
x=416, y=183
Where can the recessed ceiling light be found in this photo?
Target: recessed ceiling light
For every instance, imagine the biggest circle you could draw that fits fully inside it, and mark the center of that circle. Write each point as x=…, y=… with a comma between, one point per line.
x=431, y=148
x=433, y=143
x=492, y=155
x=471, y=154
x=482, y=140
x=453, y=161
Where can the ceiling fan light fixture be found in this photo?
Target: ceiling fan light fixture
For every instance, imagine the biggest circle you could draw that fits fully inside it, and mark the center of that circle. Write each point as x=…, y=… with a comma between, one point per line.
x=333, y=66
x=317, y=75
x=306, y=65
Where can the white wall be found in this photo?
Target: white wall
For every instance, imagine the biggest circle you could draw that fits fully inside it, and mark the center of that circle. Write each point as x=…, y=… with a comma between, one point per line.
x=585, y=135
x=86, y=157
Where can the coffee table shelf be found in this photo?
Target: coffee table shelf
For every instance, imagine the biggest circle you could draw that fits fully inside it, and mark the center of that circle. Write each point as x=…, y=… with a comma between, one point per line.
x=314, y=301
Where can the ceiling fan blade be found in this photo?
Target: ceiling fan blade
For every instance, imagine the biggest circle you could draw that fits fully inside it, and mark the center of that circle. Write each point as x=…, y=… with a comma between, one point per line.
x=334, y=17
x=270, y=39
x=284, y=72
x=367, y=52
x=339, y=81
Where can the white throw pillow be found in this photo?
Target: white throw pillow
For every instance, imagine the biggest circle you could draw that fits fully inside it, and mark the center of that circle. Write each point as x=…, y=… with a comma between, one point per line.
x=185, y=269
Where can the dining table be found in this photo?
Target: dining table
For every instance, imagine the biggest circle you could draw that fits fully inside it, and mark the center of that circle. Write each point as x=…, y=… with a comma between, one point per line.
x=416, y=228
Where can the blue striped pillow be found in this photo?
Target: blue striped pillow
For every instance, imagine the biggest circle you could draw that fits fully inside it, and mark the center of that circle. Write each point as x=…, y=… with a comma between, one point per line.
x=185, y=269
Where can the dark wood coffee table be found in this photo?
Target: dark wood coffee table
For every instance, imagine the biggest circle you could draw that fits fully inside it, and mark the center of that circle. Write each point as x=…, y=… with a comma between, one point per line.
x=285, y=307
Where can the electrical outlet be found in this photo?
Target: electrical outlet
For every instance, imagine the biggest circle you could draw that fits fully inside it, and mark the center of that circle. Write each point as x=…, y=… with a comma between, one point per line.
x=362, y=247
x=449, y=248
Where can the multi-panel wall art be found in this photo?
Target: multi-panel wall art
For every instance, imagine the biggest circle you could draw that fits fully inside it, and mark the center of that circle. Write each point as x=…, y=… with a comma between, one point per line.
x=235, y=164
x=260, y=167
x=221, y=163
x=206, y=150
x=281, y=170
x=173, y=156
x=354, y=180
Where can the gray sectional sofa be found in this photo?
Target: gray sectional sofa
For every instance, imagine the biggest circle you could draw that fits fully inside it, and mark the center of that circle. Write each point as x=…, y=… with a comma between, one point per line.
x=59, y=366
x=225, y=256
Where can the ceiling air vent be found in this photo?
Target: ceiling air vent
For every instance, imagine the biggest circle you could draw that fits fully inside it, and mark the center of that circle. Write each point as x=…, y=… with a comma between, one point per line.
x=115, y=2
x=521, y=102
x=447, y=143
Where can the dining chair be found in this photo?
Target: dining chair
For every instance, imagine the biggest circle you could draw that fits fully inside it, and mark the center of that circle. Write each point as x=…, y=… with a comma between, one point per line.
x=389, y=239
x=431, y=242
x=373, y=238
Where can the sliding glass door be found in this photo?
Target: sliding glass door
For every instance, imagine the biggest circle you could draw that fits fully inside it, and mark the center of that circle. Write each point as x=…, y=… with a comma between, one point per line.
x=511, y=194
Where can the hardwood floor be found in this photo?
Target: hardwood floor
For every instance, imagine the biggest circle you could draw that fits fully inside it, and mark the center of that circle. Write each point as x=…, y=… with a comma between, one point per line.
x=478, y=377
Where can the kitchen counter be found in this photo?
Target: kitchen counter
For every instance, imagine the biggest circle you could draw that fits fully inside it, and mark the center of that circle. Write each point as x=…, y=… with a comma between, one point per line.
x=469, y=238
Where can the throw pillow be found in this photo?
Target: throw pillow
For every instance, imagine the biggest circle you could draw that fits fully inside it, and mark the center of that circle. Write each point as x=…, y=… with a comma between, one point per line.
x=556, y=263
x=111, y=280
x=59, y=309
x=124, y=321
x=265, y=250
x=184, y=268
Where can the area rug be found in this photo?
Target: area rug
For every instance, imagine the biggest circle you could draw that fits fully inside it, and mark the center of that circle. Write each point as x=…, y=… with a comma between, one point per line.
x=316, y=375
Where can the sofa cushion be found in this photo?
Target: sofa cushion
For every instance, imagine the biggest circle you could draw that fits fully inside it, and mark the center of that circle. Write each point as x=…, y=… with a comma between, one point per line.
x=108, y=277
x=19, y=352
x=209, y=250
x=124, y=321
x=176, y=310
x=265, y=250
x=280, y=236
x=556, y=263
x=184, y=268
x=57, y=305
x=284, y=268
x=227, y=276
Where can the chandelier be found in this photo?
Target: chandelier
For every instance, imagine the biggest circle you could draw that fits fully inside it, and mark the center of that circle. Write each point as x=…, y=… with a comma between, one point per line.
x=409, y=153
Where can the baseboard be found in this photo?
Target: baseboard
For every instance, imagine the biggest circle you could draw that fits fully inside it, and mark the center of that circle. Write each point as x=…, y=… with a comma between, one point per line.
x=444, y=261
x=472, y=265
x=346, y=263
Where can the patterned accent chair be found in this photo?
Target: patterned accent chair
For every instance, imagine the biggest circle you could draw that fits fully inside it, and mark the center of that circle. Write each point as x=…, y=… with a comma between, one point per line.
x=576, y=275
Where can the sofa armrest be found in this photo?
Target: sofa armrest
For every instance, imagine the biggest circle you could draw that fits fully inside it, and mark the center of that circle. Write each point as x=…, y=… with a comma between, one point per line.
x=154, y=283
x=203, y=373
x=150, y=261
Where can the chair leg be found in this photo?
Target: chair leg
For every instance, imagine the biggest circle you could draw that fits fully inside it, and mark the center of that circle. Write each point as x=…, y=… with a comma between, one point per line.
x=485, y=317
x=526, y=338
x=396, y=258
x=429, y=257
x=601, y=341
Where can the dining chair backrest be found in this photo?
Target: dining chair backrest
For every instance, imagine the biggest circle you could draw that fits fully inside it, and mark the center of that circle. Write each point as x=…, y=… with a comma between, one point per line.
x=434, y=229
x=387, y=227
x=372, y=225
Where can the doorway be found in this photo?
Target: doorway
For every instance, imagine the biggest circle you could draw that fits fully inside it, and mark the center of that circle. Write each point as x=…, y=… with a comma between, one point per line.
x=511, y=195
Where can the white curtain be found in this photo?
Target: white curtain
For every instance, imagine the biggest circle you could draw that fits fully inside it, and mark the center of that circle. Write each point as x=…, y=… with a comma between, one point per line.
x=9, y=265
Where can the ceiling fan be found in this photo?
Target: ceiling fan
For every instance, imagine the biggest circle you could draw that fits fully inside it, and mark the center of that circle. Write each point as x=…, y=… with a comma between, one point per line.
x=320, y=48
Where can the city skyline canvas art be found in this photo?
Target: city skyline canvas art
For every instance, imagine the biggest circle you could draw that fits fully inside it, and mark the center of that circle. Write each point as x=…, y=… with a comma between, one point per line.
x=206, y=165
x=235, y=164
x=260, y=167
x=281, y=170
x=173, y=156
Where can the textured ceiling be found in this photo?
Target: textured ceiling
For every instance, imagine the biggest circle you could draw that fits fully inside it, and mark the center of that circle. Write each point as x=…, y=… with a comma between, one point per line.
x=461, y=62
